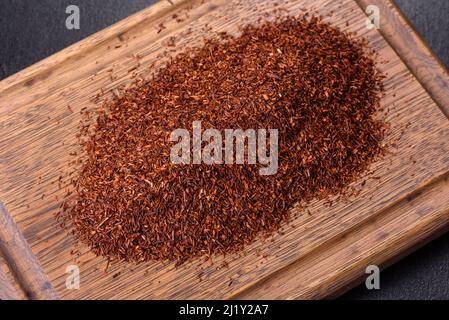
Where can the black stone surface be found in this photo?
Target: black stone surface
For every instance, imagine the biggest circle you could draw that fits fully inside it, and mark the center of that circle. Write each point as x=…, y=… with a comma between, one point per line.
x=31, y=30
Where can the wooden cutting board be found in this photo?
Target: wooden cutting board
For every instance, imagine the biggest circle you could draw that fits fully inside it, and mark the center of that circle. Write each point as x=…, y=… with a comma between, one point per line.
x=403, y=203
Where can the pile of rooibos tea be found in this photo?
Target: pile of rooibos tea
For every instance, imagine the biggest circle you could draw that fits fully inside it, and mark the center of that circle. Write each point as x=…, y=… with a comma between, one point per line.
x=160, y=180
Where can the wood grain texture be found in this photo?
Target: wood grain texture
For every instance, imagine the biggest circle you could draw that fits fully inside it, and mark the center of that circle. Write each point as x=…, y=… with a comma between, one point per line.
x=413, y=50
x=317, y=254
x=21, y=260
x=385, y=236
x=8, y=289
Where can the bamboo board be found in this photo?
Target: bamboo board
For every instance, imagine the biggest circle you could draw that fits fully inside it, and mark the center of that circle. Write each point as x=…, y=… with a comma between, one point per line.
x=402, y=204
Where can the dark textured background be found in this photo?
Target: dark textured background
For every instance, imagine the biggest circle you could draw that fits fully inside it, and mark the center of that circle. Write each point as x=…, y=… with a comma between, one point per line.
x=31, y=30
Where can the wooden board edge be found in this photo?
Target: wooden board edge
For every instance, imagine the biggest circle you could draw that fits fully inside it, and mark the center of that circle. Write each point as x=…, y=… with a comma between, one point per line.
x=42, y=68
x=317, y=275
x=389, y=262
x=7, y=284
x=21, y=261
x=413, y=51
